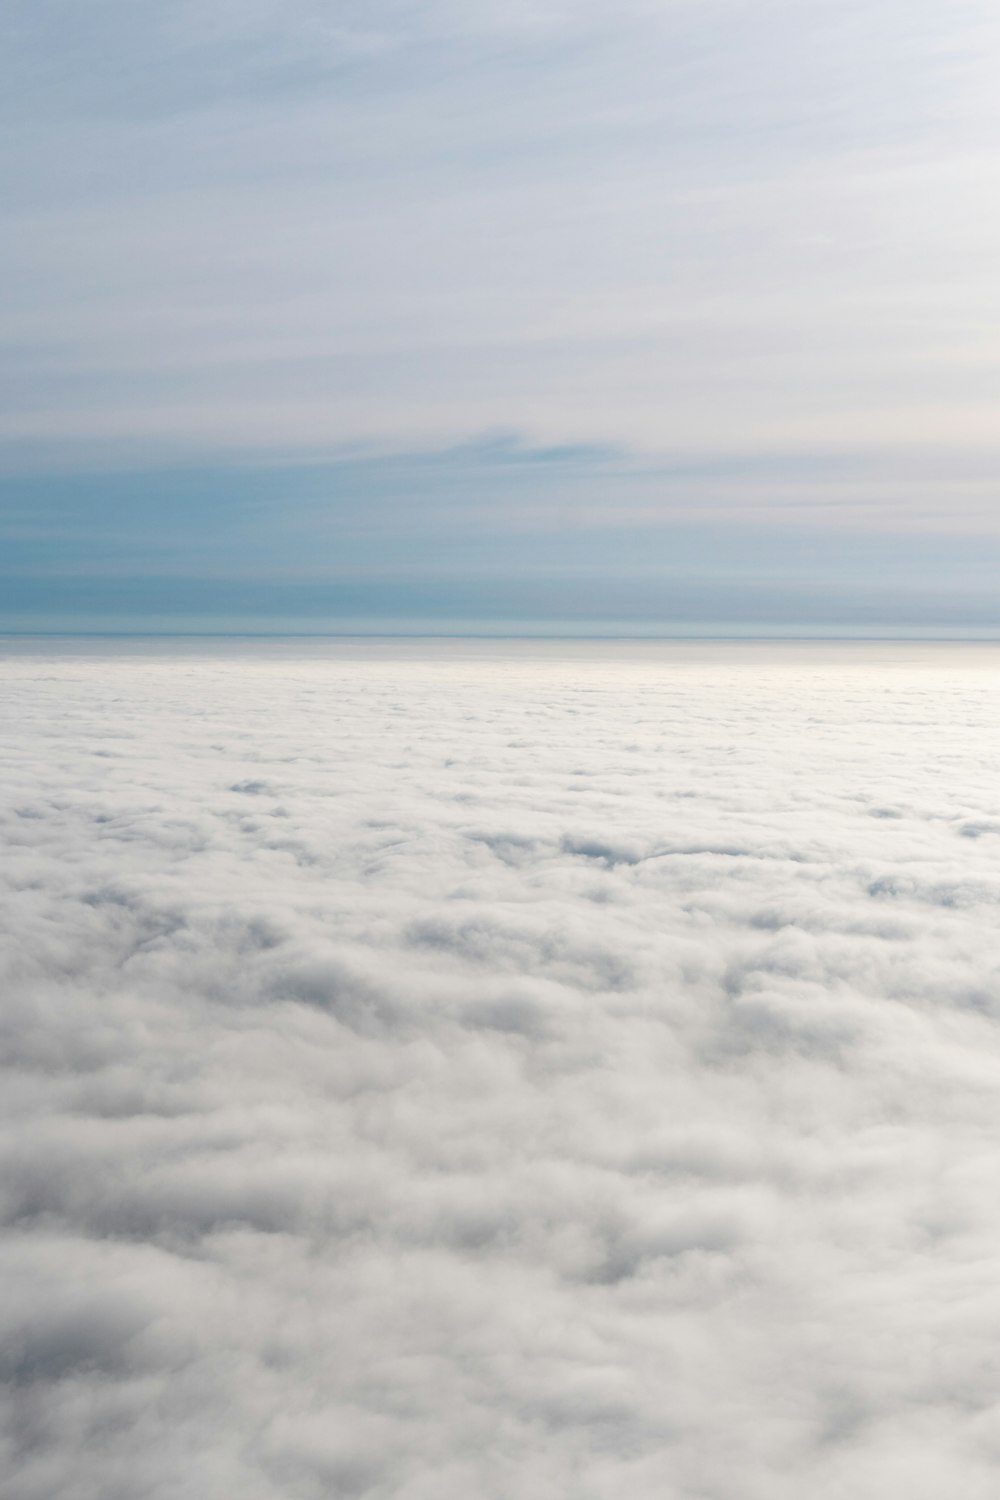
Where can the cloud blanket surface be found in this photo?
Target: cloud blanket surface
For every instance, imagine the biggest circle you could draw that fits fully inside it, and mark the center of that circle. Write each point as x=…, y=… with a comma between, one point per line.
x=501, y=1073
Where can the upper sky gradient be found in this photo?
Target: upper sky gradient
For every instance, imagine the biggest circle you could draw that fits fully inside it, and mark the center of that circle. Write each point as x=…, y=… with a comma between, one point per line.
x=665, y=313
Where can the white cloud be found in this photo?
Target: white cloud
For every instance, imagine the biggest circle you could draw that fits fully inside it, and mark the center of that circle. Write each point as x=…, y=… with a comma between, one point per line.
x=499, y=1071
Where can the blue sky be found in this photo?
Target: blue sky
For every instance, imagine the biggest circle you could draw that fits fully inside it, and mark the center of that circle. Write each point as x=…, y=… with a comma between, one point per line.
x=652, y=312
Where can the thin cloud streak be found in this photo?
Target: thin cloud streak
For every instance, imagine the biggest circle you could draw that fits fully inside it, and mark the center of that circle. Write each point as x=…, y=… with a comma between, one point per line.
x=707, y=228
x=501, y=531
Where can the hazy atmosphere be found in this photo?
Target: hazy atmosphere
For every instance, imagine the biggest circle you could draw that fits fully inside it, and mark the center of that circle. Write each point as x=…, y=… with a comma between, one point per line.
x=323, y=315
x=499, y=722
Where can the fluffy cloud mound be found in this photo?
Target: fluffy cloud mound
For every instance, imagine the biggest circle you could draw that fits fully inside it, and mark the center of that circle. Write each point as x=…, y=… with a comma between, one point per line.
x=497, y=1074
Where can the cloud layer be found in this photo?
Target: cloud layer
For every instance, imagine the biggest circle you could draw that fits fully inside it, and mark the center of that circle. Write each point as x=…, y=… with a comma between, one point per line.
x=464, y=1073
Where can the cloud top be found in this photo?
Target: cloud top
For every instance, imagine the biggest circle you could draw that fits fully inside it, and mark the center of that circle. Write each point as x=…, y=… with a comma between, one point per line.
x=481, y=1071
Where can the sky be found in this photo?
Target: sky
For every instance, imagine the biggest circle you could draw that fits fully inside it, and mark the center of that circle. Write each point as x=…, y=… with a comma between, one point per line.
x=511, y=316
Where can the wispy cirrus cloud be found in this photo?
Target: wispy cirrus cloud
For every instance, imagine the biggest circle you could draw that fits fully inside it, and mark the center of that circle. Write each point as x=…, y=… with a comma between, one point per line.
x=717, y=228
x=273, y=276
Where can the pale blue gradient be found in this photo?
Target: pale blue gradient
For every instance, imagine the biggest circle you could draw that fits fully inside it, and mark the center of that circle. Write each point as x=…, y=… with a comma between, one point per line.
x=670, y=315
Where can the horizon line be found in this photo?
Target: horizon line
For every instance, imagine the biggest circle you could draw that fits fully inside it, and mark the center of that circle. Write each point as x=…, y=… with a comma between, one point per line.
x=992, y=638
